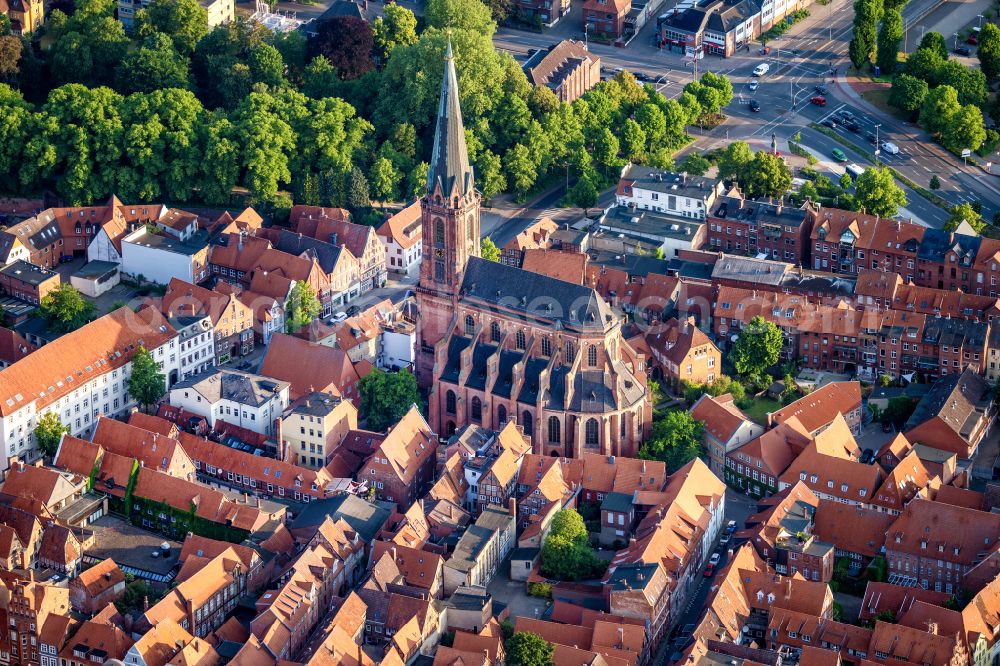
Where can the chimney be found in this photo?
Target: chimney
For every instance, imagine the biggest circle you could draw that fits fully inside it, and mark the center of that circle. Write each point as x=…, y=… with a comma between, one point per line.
x=932, y=628
x=145, y=604
x=512, y=507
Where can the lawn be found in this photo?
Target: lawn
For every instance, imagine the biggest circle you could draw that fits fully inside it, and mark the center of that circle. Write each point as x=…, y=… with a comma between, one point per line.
x=879, y=98
x=760, y=408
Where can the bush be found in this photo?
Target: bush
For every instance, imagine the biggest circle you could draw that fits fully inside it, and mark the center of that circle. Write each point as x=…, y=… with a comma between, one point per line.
x=540, y=590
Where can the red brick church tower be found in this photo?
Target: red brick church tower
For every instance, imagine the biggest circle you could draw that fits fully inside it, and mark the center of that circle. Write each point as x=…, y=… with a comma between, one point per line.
x=449, y=224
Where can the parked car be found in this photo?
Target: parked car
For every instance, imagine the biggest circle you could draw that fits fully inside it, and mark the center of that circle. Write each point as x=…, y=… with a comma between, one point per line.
x=338, y=317
x=764, y=50
x=709, y=570
x=838, y=155
x=724, y=540
x=963, y=51
x=819, y=100
x=754, y=105
x=867, y=456
x=714, y=559
x=890, y=147
x=753, y=85
x=731, y=526
x=821, y=90
x=972, y=40
x=829, y=122
x=845, y=114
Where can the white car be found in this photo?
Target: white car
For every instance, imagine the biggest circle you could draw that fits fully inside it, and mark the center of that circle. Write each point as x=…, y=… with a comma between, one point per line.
x=890, y=147
x=761, y=69
x=714, y=559
x=753, y=85
x=339, y=317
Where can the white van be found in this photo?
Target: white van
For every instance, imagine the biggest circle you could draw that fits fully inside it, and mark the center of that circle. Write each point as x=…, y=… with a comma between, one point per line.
x=855, y=170
x=761, y=69
x=890, y=147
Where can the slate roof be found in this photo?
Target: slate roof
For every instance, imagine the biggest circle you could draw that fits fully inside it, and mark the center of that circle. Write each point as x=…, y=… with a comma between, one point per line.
x=242, y=387
x=536, y=296
x=449, y=164
x=364, y=517
x=326, y=254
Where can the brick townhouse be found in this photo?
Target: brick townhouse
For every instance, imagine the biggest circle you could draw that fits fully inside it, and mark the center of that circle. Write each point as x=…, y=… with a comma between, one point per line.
x=756, y=466
x=955, y=416
x=333, y=226
x=683, y=353
x=97, y=587
x=726, y=428
x=737, y=225
x=232, y=320
x=819, y=409
x=403, y=464
x=27, y=282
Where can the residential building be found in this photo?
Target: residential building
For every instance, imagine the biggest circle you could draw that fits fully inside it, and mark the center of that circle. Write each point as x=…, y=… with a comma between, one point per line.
x=726, y=428
x=310, y=367
x=254, y=402
x=942, y=547
x=568, y=69
x=403, y=464
x=757, y=466
x=713, y=27
x=540, y=235
x=401, y=235
x=161, y=257
x=833, y=477
x=817, y=410
x=334, y=226
x=28, y=282
x=856, y=532
x=626, y=227
x=136, y=439
x=220, y=12
x=419, y=568
x=89, y=371
x=683, y=353
x=342, y=270
x=28, y=605
x=26, y=16
x=231, y=320
x=955, y=415
x=461, y=332
x=314, y=426
x=96, y=587
x=757, y=228
x=604, y=18
x=95, y=640
x=645, y=188
x=480, y=550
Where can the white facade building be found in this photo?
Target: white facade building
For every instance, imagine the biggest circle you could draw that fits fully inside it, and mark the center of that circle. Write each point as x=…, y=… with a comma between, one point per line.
x=242, y=399
x=161, y=257
x=195, y=345
x=81, y=376
x=398, y=345
x=667, y=192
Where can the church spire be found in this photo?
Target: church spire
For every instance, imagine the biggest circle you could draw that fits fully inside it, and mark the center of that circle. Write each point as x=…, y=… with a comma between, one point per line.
x=449, y=166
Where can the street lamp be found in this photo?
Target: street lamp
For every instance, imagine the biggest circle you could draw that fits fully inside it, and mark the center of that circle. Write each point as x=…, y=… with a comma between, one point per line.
x=877, y=146
x=956, y=40
x=980, y=17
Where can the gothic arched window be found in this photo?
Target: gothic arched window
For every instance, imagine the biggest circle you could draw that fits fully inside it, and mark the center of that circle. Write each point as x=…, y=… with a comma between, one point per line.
x=495, y=331
x=438, y=232
x=591, y=432
x=449, y=402
x=592, y=356
x=477, y=409
x=521, y=344
x=526, y=422
x=502, y=415
x=553, y=430
x=470, y=325
x=546, y=346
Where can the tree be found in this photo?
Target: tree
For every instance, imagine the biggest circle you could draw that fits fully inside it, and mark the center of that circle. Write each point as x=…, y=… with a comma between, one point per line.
x=11, y=48
x=734, y=160
x=695, y=164
x=969, y=83
x=488, y=250
x=757, y=347
x=877, y=192
x=525, y=648
x=965, y=130
x=467, y=15
x=935, y=183
x=583, y=194
x=489, y=174
x=521, y=171
x=898, y=410
x=988, y=50
x=386, y=397
x=964, y=213
x=933, y=41
x=302, y=307
x=767, y=176
x=908, y=93
x=846, y=182
x=398, y=27
x=889, y=37
x=939, y=109
x=147, y=383
x=65, y=309
x=867, y=14
x=675, y=440
x=184, y=21
x=358, y=198
x=48, y=433
x=347, y=42
x=384, y=179
x=566, y=553
x=924, y=63
x=153, y=66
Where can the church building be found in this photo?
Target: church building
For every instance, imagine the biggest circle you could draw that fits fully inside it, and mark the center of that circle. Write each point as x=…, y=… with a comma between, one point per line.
x=497, y=343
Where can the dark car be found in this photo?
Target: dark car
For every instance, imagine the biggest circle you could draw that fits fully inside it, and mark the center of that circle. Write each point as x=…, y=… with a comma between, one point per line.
x=852, y=125
x=963, y=51
x=845, y=114
x=709, y=570
x=972, y=40
x=871, y=137
x=867, y=456
x=754, y=105
x=887, y=427
x=353, y=311
x=829, y=123
x=821, y=90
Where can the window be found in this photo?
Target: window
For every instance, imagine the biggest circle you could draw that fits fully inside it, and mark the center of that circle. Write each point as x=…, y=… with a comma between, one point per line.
x=477, y=409
x=546, y=346
x=554, y=430
x=521, y=343
x=592, y=356
x=449, y=402
x=526, y=422
x=495, y=332
x=438, y=232
x=470, y=325
x=501, y=415
x=570, y=352
x=591, y=433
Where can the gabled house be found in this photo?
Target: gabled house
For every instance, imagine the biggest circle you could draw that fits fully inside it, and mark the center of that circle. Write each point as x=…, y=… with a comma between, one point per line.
x=403, y=464
x=955, y=415
x=726, y=428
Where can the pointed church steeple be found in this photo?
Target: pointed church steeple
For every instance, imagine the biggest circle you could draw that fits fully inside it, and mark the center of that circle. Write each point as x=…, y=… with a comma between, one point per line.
x=449, y=167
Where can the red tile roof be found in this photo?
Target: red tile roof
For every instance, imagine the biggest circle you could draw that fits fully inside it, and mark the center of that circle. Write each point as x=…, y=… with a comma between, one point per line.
x=820, y=407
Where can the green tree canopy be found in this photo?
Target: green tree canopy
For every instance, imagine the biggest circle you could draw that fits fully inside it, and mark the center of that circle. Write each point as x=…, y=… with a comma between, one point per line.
x=890, y=35
x=155, y=65
x=757, y=347
x=908, y=93
x=933, y=41
x=734, y=160
x=877, y=192
x=302, y=307
x=939, y=109
x=964, y=213
x=471, y=15
x=48, y=433
x=65, y=309
x=398, y=27
x=583, y=194
x=488, y=250
x=695, y=163
x=386, y=397
x=766, y=176
x=184, y=21
x=676, y=440
x=965, y=130
x=528, y=649
x=566, y=553
x=924, y=63
x=988, y=50
x=147, y=383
